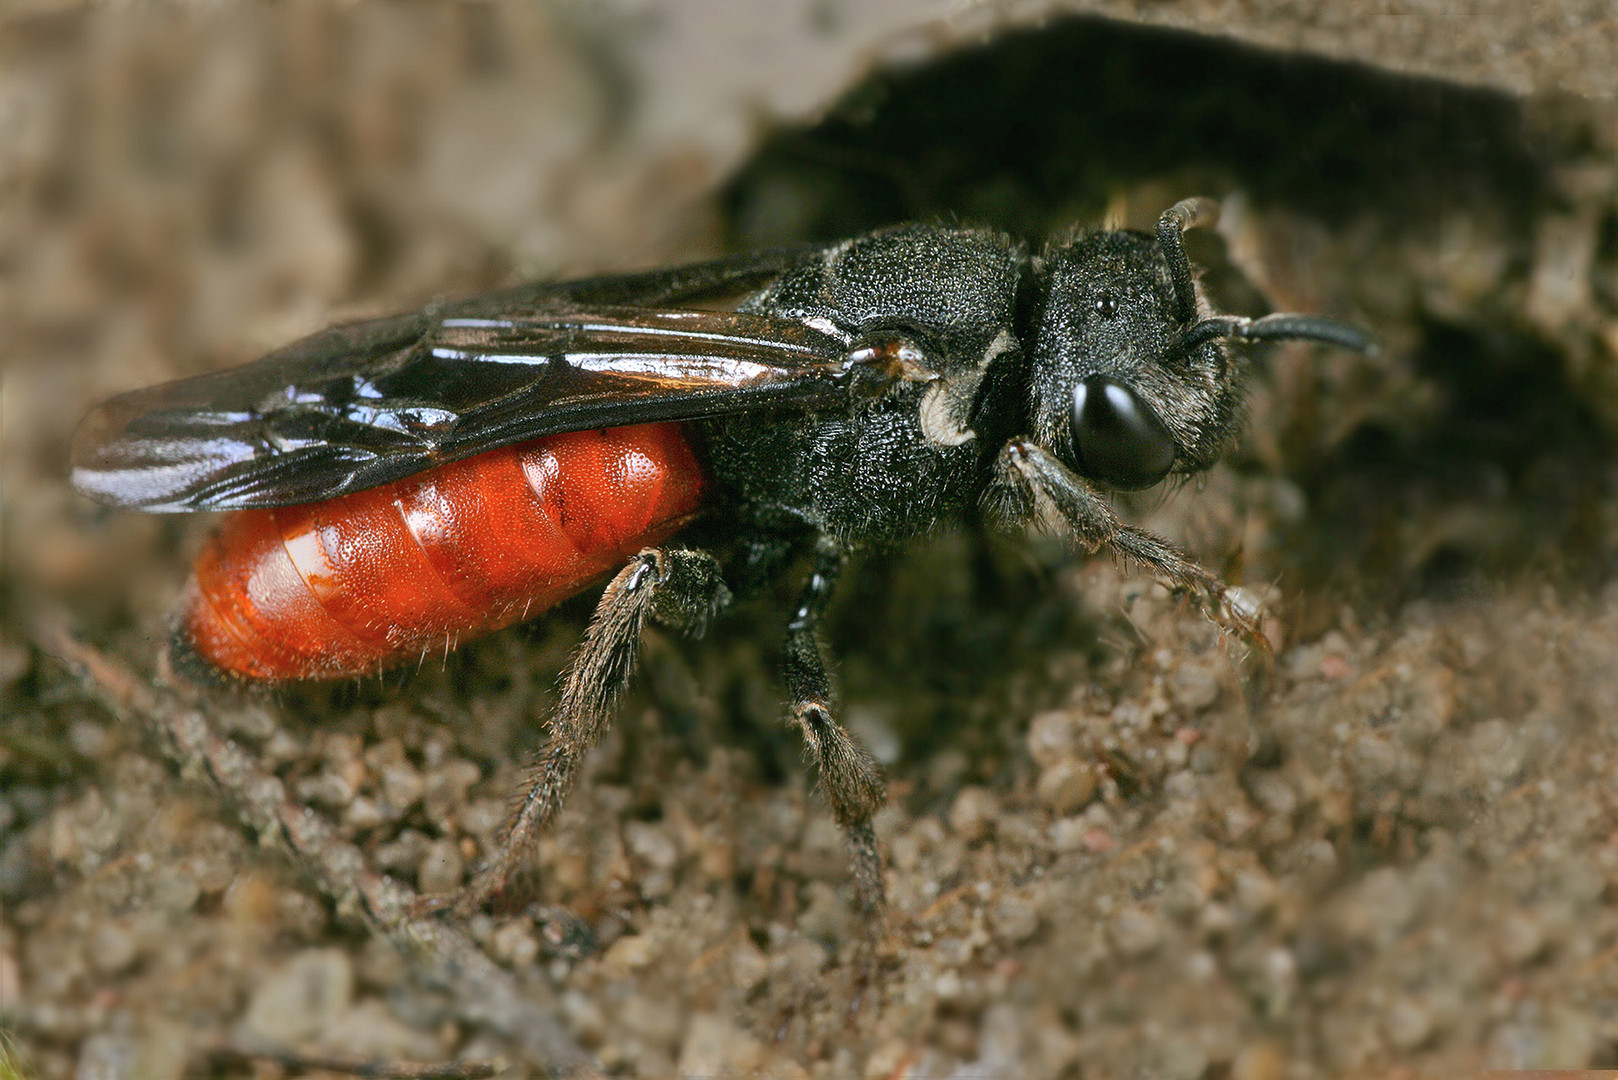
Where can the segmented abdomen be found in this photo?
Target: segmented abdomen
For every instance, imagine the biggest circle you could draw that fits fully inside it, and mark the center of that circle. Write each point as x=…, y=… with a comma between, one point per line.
x=412, y=568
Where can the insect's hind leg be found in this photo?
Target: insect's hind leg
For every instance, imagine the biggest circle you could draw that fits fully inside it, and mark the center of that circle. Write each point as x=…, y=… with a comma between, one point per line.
x=849, y=776
x=677, y=588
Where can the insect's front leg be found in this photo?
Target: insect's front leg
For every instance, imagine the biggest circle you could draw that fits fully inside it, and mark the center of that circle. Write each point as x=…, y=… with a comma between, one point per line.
x=849, y=776
x=677, y=588
x=1030, y=484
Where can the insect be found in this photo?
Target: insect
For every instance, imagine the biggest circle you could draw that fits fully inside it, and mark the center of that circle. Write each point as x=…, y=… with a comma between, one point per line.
x=404, y=483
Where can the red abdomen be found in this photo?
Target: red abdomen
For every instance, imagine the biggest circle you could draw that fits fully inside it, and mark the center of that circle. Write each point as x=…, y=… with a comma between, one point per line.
x=413, y=568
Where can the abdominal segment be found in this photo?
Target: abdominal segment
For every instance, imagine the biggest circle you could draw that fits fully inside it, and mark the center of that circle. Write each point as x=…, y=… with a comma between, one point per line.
x=412, y=568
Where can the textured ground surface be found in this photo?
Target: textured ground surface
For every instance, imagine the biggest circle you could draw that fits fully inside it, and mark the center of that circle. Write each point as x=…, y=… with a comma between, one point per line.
x=1120, y=845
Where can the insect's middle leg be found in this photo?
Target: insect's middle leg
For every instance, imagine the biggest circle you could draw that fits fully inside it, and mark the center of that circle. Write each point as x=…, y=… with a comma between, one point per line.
x=849, y=776
x=677, y=588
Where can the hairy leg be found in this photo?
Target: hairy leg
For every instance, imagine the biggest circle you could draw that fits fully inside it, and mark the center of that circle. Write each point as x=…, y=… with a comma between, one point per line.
x=849, y=776
x=1032, y=485
x=677, y=588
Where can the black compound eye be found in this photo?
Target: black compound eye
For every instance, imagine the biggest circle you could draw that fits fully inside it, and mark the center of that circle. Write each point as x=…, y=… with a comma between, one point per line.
x=1119, y=440
x=1107, y=305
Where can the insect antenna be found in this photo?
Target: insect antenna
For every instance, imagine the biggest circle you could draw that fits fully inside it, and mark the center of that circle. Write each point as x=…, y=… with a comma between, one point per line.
x=1203, y=213
x=1281, y=326
x=1183, y=215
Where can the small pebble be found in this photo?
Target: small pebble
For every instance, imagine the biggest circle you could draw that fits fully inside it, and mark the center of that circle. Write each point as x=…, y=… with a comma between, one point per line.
x=89, y=739
x=380, y=964
x=446, y=787
x=1013, y=919
x=1099, y=841
x=798, y=962
x=1067, y=787
x=108, y=1056
x=15, y=662
x=401, y=786
x=254, y=722
x=1408, y=1024
x=514, y=944
x=369, y=1031
x=1201, y=967
x=173, y=890
x=714, y=1046
x=654, y=1018
x=404, y=853
x=1572, y=1037
x=1070, y=834
x=302, y=999
x=1180, y=1057
x=1271, y=791
x=484, y=817
x=1136, y=931
x=826, y=915
x=112, y=948
x=1521, y=936
x=1255, y=891
x=748, y=966
x=1193, y=686
x=283, y=746
x=393, y=722
x=328, y=789
x=652, y=843
x=441, y=868
x=1054, y=736
x=892, y=1058
x=630, y=953
x=10, y=979
x=362, y=814
x=972, y=816
x=1259, y=1061
x=1497, y=749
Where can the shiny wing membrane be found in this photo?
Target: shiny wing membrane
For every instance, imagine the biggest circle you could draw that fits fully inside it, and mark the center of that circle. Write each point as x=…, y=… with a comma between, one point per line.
x=371, y=402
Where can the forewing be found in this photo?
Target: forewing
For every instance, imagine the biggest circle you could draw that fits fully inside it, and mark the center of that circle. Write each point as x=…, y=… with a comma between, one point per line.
x=371, y=402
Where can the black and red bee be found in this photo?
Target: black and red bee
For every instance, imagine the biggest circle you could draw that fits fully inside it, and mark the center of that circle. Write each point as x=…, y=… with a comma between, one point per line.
x=403, y=484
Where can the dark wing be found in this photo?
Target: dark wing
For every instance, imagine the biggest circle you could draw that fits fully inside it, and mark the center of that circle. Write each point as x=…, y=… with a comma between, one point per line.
x=371, y=402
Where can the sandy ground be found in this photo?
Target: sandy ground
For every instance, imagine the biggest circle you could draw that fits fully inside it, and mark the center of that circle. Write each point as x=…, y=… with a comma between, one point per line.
x=1121, y=844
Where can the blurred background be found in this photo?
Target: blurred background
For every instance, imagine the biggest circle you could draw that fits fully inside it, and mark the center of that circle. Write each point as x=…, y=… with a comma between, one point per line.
x=1120, y=844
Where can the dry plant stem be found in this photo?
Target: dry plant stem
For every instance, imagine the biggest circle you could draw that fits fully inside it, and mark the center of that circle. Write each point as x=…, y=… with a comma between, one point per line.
x=483, y=993
x=234, y=1056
